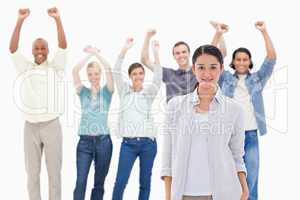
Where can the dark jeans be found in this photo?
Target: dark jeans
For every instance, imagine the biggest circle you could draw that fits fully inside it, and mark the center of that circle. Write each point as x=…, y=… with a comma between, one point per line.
x=251, y=159
x=131, y=148
x=89, y=148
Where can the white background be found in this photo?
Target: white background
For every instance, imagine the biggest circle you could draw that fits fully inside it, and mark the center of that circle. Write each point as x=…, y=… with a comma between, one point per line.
x=106, y=24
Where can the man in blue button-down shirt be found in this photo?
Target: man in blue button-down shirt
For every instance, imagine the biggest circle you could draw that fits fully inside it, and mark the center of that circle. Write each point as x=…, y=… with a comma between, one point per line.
x=246, y=88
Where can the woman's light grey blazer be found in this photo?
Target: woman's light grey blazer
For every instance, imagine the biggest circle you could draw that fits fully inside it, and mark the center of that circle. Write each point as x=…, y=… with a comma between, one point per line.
x=226, y=136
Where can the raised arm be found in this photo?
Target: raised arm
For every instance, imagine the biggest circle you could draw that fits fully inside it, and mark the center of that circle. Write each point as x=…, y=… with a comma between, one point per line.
x=104, y=64
x=218, y=39
x=76, y=70
x=145, y=58
x=117, y=71
x=14, y=41
x=153, y=88
x=128, y=44
x=62, y=42
x=271, y=53
x=155, y=50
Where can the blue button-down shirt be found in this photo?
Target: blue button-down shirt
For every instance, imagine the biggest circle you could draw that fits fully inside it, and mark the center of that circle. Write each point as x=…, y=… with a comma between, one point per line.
x=255, y=83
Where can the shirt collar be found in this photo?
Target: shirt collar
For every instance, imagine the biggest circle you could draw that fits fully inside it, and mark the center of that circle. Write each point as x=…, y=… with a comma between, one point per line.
x=195, y=99
x=183, y=71
x=237, y=76
x=130, y=90
x=42, y=65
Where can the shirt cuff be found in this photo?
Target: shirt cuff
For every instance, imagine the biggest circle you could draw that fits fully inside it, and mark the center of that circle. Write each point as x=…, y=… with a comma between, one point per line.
x=269, y=61
x=165, y=172
x=241, y=168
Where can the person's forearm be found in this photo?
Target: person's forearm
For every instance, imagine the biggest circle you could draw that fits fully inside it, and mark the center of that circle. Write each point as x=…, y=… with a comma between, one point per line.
x=117, y=74
x=243, y=181
x=219, y=42
x=271, y=53
x=81, y=63
x=157, y=76
x=14, y=42
x=77, y=68
x=216, y=39
x=156, y=58
x=168, y=183
x=123, y=53
x=109, y=78
x=62, y=42
x=105, y=64
x=108, y=72
x=222, y=47
x=145, y=53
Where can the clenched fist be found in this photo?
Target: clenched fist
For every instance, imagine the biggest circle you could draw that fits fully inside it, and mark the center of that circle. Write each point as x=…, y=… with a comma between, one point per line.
x=260, y=25
x=24, y=13
x=128, y=43
x=151, y=32
x=53, y=12
x=220, y=27
x=91, y=50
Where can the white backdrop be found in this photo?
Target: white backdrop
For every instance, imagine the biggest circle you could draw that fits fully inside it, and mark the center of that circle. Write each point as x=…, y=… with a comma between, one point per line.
x=106, y=24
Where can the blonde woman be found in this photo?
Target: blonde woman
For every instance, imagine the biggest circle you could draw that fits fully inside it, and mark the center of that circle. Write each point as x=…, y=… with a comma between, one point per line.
x=95, y=143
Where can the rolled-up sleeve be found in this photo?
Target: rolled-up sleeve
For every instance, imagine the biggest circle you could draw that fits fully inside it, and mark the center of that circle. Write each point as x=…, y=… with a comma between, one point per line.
x=20, y=62
x=122, y=85
x=237, y=142
x=154, y=87
x=223, y=78
x=266, y=70
x=59, y=61
x=166, y=74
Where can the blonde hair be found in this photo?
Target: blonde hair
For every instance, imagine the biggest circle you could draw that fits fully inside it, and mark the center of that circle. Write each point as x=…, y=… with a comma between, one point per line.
x=94, y=64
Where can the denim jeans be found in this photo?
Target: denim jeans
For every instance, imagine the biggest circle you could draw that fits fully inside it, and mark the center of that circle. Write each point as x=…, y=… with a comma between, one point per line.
x=251, y=159
x=89, y=148
x=131, y=148
x=197, y=198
